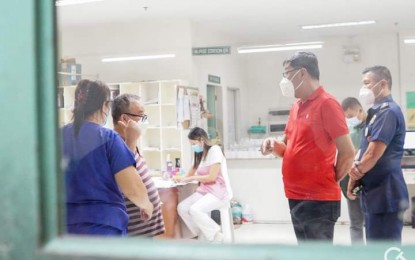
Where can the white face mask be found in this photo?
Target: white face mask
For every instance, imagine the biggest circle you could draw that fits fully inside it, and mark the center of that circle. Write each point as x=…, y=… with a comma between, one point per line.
x=143, y=127
x=366, y=95
x=287, y=86
x=353, y=122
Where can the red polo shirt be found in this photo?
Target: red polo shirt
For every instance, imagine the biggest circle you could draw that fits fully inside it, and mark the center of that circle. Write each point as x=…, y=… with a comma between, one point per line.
x=309, y=160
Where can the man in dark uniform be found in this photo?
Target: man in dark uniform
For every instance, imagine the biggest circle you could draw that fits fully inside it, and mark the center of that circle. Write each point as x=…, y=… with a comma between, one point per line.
x=384, y=194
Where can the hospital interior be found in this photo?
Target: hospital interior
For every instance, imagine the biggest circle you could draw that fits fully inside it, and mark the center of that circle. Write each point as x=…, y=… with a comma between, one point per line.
x=209, y=55
x=219, y=67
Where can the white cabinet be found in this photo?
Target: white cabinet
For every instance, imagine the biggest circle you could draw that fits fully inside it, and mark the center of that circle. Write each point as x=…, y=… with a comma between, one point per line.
x=163, y=136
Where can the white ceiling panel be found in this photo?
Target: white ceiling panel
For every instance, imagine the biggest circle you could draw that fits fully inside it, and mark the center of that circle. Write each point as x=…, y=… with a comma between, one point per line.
x=253, y=21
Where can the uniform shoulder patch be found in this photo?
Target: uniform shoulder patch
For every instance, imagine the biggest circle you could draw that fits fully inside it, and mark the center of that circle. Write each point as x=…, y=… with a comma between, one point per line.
x=384, y=105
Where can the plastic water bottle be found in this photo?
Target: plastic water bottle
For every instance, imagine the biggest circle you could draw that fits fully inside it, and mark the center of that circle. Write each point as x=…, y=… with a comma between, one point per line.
x=236, y=213
x=169, y=165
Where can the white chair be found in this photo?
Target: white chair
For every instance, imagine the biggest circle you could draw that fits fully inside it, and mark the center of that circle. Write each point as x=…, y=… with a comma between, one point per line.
x=226, y=218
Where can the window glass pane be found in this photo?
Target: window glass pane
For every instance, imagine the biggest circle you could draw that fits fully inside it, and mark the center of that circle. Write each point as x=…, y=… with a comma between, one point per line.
x=121, y=47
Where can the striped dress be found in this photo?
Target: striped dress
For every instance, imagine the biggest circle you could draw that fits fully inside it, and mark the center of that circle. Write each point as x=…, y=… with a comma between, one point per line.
x=155, y=225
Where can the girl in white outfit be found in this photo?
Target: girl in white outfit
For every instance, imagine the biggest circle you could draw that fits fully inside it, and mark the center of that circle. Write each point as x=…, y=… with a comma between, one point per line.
x=211, y=194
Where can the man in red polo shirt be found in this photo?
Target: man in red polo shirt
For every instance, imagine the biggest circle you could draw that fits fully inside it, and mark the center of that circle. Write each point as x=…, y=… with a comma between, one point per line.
x=311, y=168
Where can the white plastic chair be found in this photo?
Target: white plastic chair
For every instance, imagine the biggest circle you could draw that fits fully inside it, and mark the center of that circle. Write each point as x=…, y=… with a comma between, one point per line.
x=226, y=218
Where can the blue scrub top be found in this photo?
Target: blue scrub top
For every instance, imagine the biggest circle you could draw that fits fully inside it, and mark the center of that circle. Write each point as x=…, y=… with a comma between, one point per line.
x=92, y=159
x=385, y=190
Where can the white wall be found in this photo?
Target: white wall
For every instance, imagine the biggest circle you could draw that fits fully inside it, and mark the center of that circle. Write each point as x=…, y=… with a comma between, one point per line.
x=407, y=64
x=229, y=68
x=91, y=43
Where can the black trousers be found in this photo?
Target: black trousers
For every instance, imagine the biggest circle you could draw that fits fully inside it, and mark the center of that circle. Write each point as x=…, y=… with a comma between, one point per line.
x=384, y=227
x=314, y=220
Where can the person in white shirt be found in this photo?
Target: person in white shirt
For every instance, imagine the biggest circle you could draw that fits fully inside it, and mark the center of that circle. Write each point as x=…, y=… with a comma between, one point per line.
x=211, y=194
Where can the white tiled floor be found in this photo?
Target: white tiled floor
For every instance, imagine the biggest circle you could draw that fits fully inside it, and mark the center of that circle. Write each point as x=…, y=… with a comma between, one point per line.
x=284, y=234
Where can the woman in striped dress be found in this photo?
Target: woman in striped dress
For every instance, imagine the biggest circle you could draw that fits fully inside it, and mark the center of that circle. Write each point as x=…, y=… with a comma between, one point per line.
x=126, y=113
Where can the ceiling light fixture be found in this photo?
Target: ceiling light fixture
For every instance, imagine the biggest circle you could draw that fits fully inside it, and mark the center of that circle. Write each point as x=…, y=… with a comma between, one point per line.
x=74, y=2
x=408, y=41
x=281, y=47
x=132, y=58
x=330, y=25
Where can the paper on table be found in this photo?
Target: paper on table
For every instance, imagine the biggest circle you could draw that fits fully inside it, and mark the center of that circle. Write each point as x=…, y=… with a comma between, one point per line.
x=160, y=183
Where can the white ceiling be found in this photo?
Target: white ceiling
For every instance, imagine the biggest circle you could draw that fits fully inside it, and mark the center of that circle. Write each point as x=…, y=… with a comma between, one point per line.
x=254, y=21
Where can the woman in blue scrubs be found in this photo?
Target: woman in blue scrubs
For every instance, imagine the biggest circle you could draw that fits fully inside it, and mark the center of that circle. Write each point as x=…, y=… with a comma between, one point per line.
x=99, y=168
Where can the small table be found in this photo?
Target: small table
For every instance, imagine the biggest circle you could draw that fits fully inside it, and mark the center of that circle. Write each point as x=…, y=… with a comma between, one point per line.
x=171, y=193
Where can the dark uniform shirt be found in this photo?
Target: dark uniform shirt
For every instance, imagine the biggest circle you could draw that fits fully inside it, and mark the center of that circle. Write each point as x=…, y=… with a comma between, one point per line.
x=385, y=190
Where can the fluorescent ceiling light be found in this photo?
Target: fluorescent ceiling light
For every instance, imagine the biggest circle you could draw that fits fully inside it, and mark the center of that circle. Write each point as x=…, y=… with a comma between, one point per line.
x=319, y=26
x=131, y=58
x=281, y=47
x=302, y=43
x=74, y=2
x=409, y=41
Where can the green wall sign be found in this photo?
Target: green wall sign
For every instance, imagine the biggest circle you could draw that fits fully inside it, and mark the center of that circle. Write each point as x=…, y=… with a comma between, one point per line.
x=220, y=50
x=410, y=109
x=410, y=99
x=214, y=79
